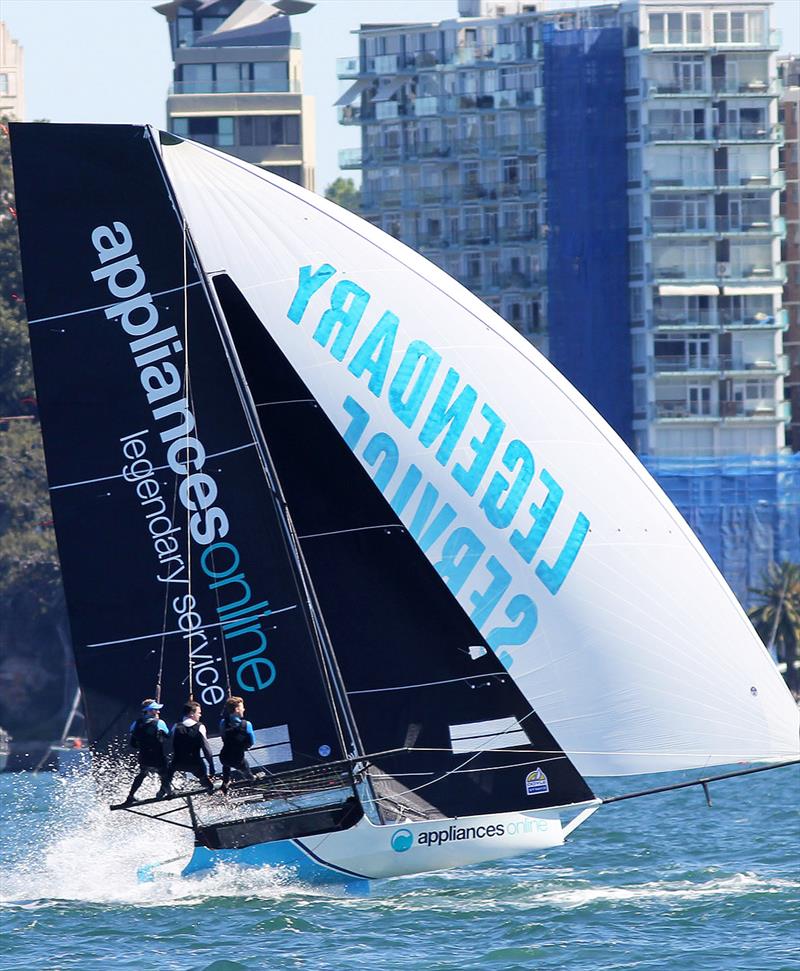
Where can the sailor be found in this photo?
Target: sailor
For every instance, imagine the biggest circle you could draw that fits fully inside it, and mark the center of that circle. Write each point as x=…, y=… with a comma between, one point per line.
x=237, y=737
x=189, y=748
x=148, y=735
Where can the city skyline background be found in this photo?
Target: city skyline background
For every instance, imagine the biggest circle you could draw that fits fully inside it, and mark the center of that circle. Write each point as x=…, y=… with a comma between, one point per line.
x=78, y=70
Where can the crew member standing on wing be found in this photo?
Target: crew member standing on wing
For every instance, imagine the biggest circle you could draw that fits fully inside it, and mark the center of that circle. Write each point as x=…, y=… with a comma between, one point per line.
x=237, y=737
x=190, y=746
x=148, y=735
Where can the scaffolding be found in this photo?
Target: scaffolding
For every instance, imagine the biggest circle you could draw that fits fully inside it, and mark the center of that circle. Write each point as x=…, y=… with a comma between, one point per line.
x=744, y=509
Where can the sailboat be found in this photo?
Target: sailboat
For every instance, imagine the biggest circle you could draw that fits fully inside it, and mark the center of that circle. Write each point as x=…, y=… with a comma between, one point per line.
x=290, y=459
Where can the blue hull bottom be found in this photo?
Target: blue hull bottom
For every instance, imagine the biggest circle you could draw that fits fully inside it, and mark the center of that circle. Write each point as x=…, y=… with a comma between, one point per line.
x=283, y=853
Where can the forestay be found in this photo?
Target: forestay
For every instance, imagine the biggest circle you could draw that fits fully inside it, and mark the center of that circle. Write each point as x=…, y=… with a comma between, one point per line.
x=577, y=570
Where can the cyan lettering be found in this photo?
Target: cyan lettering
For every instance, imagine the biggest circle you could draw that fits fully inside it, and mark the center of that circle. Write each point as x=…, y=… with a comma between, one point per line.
x=375, y=354
x=500, y=515
x=542, y=515
x=348, y=302
x=307, y=286
x=460, y=555
x=411, y=383
x=485, y=602
x=449, y=414
x=484, y=448
x=553, y=576
x=385, y=446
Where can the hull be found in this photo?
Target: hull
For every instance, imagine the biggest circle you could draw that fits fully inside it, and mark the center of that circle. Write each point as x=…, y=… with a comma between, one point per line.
x=370, y=852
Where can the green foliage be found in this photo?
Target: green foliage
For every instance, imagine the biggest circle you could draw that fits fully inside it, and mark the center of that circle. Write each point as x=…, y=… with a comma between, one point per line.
x=344, y=193
x=777, y=616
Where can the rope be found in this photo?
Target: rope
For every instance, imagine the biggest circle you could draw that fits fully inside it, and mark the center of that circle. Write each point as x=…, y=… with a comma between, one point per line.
x=187, y=389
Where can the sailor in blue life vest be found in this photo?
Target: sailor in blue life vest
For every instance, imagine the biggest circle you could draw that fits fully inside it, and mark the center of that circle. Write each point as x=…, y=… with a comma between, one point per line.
x=237, y=737
x=189, y=748
x=148, y=735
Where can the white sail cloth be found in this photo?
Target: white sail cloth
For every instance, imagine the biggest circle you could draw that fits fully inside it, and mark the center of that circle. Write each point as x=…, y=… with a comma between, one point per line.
x=573, y=563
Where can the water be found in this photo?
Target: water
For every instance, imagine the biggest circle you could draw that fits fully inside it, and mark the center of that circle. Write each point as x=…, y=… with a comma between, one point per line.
x=659, y=883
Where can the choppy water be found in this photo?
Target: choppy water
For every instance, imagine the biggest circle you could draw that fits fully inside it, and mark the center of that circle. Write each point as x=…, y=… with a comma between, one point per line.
x=657, y=883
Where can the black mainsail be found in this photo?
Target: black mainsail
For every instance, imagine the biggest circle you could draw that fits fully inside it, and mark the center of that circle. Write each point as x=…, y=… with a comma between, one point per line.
x=176, y=563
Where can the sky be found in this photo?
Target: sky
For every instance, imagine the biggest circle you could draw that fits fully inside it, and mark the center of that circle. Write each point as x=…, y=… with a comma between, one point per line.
x=109, y=60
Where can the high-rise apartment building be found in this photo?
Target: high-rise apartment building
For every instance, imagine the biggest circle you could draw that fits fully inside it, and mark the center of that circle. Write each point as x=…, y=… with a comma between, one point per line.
x=606, y=177
x=12, y=88
x=517, y=147
x=789, y=70
x=237, y=82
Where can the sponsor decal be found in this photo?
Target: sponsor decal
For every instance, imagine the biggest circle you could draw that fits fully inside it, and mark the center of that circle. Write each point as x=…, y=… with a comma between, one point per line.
x=158, y=357
x=536, y=783
x=398, y=384
x=402, y=840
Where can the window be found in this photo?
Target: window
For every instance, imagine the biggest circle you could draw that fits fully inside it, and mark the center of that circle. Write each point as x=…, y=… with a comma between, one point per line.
x=270, y=76
x=197, y=78
x=676, y=28
x=208, y=131
x=738, y=27
x=694, y=28
x=269, y=130
x=3, y=84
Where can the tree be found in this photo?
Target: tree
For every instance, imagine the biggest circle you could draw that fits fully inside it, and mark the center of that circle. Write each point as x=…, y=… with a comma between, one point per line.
x=777, y=617
x=344, y=193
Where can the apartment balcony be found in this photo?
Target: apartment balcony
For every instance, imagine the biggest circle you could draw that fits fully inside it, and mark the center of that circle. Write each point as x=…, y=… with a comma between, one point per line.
x=684, y=320
x=728, y=320
x=738, y=179
x=733, y=364
x=750, y=226
x=719, y=273
x=348, y=68
x=717, y=226
x=676, y=133
x=748, y=132
x=680, y=411
x=752, y=88
x=721, y=178
x=681, y=364
x=286, y=86
x=673, y=89
x=351, y=158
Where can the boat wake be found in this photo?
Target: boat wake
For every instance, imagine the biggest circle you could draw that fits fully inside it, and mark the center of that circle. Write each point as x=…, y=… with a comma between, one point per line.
x=75, y=850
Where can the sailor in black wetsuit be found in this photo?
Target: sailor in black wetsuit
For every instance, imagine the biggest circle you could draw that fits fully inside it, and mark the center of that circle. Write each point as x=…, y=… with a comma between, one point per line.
x=237, y=737
x=190, y=746
x=148, y=735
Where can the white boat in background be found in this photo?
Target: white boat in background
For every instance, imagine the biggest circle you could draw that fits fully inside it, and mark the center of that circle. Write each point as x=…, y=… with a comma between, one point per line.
x=291, y=459
x=5, y=749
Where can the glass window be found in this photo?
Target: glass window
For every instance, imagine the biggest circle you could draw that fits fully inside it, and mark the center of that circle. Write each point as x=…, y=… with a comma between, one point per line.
x=197, y=78
x=720, y=28
x=737, y=28
x=270, y=76
x=225, y=135
x=694, y=28
x=185, y=30
x=675, y=28
x=656, y=21
x=180, y=126
x=229, y=78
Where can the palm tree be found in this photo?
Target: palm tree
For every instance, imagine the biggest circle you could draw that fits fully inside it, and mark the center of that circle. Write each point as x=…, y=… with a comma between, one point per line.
x=777, y=617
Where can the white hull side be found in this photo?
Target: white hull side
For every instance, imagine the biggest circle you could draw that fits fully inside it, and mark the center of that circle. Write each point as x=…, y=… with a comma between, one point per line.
x=373, y=852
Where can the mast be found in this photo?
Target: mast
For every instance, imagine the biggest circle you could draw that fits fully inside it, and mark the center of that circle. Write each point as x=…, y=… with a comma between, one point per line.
x=343, y=716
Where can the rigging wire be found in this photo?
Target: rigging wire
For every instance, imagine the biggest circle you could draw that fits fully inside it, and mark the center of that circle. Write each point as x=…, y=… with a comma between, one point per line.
x=187, y=391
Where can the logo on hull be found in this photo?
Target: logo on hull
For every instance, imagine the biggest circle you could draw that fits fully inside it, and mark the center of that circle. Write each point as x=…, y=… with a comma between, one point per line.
x=402, y=840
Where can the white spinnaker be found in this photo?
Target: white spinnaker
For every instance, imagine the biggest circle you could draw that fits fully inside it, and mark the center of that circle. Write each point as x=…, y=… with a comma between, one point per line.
x=643, y=660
